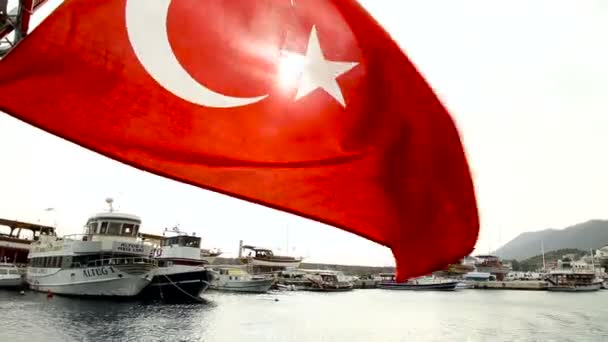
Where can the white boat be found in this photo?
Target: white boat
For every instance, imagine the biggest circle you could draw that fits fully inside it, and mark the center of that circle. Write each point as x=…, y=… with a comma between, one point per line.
x=181, y=274
x=109, y=259
x=425, y=283
x=238, y=280
x=10, y=277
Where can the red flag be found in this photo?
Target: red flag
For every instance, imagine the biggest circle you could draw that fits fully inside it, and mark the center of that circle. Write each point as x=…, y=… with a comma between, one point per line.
x=304, y=106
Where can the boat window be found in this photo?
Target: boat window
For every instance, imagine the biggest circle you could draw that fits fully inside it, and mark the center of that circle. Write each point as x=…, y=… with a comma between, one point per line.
x=114, y=228
x=191, y=241
x=92, y=229
x=136, y=229
x=104, y=228
x=13, y=272
x=127, y=229
x=3, y=271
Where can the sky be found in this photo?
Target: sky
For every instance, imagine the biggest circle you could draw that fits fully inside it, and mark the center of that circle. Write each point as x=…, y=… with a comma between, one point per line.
x=525, y=81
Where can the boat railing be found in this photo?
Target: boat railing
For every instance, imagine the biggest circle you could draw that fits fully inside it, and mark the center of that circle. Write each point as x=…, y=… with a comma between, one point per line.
x=117, y=261
x=88, y=237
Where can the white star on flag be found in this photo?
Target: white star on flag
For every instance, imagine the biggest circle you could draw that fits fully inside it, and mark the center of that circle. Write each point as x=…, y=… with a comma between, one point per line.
x=318, y=72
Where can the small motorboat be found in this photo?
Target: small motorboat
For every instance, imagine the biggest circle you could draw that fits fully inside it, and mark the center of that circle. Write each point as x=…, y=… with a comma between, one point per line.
x=235, y=279
x=10, y=277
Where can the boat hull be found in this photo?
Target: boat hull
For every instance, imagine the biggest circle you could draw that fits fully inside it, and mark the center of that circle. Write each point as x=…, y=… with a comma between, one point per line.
x=329, y=289
x=577, y=288
x=446, y=286
x=250, y=286
x=11, y=283
x=106, y=281
x=177, y=285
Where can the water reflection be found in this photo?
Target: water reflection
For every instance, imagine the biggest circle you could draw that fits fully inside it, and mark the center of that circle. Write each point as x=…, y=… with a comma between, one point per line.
x=364, y=315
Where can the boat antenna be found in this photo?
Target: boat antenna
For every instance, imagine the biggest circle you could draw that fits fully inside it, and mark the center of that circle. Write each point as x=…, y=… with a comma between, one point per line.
x=109, y=200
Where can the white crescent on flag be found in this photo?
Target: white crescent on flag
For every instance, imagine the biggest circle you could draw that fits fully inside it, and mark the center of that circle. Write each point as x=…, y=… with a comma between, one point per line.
x=146, y=23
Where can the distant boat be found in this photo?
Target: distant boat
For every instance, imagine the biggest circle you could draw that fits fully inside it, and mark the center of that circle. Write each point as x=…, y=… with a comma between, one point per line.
x=328, y=281
x=234, y=279
x=491, y=264
x=209, y=255
x=573, y=277
x=10, y=277
x=427, y=283
x=293, y=280
x=263, y=260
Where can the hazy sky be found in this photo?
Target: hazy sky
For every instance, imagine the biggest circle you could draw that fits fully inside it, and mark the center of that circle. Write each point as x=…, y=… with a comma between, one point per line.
x=526, y=81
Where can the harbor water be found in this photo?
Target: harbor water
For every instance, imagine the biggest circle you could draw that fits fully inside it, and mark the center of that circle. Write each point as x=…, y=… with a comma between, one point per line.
x=359, y=315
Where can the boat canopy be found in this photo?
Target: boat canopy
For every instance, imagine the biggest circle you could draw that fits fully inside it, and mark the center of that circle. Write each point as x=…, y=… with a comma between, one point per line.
x=17, y=226
x=257, y=249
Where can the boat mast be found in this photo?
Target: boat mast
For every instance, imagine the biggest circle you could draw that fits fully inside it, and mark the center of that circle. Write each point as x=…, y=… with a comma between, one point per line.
x=542, y=249
x=592, y=260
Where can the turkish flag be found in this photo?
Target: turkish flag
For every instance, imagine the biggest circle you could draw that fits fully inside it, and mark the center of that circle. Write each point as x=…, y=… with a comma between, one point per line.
x=306, y=106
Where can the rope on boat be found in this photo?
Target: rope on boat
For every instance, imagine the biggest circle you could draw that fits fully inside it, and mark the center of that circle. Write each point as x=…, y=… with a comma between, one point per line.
x=185, y=292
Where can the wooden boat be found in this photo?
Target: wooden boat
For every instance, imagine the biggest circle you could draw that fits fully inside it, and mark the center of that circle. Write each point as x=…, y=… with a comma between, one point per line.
x=263, y=260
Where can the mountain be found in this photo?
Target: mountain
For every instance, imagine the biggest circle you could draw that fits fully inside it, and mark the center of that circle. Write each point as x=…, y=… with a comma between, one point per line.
x=590, y=234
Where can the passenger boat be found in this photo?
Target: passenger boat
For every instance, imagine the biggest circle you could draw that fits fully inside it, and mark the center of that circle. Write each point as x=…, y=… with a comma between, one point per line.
x=571, y=276
x=109, y=259
x=16, y=238
x=427, y=283
x=10, y=277
x=328, y=281
x=181, y=274
x=235, y=279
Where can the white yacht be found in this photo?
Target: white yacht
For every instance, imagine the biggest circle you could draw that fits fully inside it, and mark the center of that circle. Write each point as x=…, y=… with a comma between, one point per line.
x=109, y=259
x=235, y=279
x=10, y=277
x=181, y=274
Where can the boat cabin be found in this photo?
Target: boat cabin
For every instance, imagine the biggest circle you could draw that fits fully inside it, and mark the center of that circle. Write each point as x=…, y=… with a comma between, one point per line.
x=233, y=273
x=181, y=240
x=114, y=224
x=259, y=253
